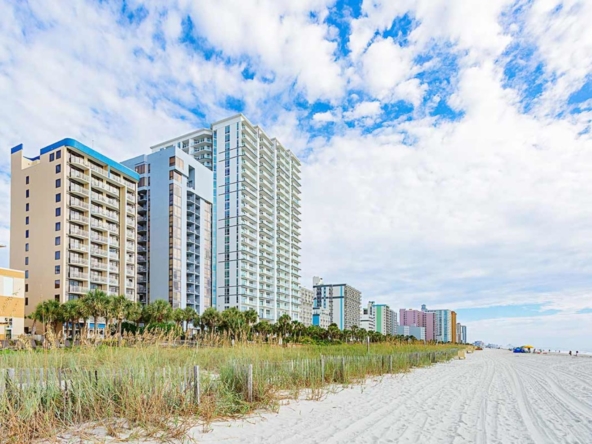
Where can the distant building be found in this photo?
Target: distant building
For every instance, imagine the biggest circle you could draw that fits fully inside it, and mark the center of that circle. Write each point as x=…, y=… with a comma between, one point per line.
x=306, y=300
x=384, y=319
x=416, y=318
x=443, y=324
x=321, y=317
x=12, y=303
x=458, y=339
x=453, y=335
x=463, y=335
x=342, y=301
x=368, y=317
x=416, y=332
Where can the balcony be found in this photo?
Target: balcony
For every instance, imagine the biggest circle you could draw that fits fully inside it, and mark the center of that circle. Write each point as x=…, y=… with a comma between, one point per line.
x=78, y=175
x=99, y=239
x=79, y=289
x=98, y=278
x=105, y=187
x=77, y=189
x=78, y=161
x=77, y=203
x=78, y=217
x=77, y=260
x=75, y=231
x=107, y=201
x=98, y=265
x=98, y=252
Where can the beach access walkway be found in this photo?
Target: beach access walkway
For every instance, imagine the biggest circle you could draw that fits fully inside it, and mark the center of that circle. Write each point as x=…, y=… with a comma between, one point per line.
x=494, y=396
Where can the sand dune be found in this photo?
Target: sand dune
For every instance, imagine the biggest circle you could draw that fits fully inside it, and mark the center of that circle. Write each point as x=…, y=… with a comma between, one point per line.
x=494, y=396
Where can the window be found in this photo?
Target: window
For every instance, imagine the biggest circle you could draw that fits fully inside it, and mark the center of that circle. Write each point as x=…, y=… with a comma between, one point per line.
x=26, y=301
x=27, y=246
x=57, y=255
x=57, y=240
x=57, y=296
x=141, y=169
x=52, y=157
x=27, y=234
x=26, y=288
x=26, y=274
x=172, y=161
x=58, y=212
x=59, y=197
x=58, y=168
x=27, y=260
x=57, y=269
x=27, y=180
x=26, y=207
x=58, y=226
x=58, y=183
x=27, y=193
x=27, y=220
x=57, y=285
x=59, y=155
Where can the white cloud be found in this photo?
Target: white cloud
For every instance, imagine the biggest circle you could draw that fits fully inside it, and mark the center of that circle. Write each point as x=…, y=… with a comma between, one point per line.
x=363, y=109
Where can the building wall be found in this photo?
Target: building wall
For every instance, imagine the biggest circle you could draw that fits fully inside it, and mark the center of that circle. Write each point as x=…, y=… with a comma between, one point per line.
x=342, y=302
x=368, y=317
x=187, y=282
x=85, y=201
x=306, y=301
x=407, y=330
x=464, y=334
x=443, y=324
x=321, y=318
x=384, y=319
x=453, y=336
x=12, y=303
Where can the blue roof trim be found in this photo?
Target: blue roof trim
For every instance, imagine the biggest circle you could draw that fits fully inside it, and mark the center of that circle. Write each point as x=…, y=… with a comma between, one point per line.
x=90, y=152
x=16, y=149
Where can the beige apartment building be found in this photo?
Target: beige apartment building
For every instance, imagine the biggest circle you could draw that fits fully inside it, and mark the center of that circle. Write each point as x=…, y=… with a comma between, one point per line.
x=73, y=223
x=12, y=303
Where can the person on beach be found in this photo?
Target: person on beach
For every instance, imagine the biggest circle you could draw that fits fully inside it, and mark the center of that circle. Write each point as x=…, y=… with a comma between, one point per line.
x=577, y=353
x=570, y=353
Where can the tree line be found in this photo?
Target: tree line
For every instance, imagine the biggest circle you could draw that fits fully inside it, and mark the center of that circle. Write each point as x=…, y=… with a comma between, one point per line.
x=121, y=314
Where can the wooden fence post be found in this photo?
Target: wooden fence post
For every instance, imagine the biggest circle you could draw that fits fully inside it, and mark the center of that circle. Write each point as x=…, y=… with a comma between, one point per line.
x=196, y=383
x=250, y=382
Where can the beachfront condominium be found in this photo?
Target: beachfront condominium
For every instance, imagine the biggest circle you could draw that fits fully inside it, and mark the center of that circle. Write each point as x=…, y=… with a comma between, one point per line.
x=453, y=334
x=73, y=223
x=174, y=229
x=306, y=298
x=417, y=318
x=385, y=320
x=443, y=324
x=342, y=301
x=412, y=330
x=256, y=216
x=463, y=334
x=368, y=317
x=12, y=303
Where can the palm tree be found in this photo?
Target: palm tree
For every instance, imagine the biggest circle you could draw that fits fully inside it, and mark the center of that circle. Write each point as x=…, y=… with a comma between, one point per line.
x=334, y=332
x=71, y=313
x=211, y=319
x=47, y=312
x=96, y=302
x=250, y=317
x=188, y=316
x=178, y=316
x=159, y=311
x=283, y=325
x=263, y=328
x=233, y=322
x=120, y=309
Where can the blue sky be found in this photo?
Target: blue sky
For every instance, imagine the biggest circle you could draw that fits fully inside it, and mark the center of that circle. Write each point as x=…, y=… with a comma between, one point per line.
x=445, y=159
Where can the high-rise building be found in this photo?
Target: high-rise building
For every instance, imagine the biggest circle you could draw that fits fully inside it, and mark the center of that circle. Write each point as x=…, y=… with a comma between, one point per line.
x=453, y=336
x=306, y=298
x=384, y=319
x=321, y=317
x=12, y=303
x=412, y=330
x=256, y=216
x=443, y=324
x=175, y=196
x=73, y=223
x=458, y=336
x=416, y=318
x=341, y=300
x=463, y=335
x=368, y=317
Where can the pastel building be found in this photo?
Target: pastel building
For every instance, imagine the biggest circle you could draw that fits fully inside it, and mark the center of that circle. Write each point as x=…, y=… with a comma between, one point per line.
x=306, y=299
x=73, y=223
x=385, y=320
x=174, y=229
x=443, y=324
x=256, y=216
x=368, y=317
x=342, y=301
x=12, y=303
x=453, y=334
x=416, y=318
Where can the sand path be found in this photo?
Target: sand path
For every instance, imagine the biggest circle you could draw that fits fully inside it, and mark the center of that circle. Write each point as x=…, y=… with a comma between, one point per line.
x=494, y=396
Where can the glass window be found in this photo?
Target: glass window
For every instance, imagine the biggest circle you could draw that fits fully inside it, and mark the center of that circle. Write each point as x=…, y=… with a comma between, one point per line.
x=141, y=169
x=26, y=301
x=26, y=274
x=172, y=161
x=58, y=155
x=27, y=234
x=57, y=255
x=58, y=241
x=57, y=284
x=58, y=183
x=27, y=180
x=52, y=157
x=59, y=197
x=27, y=260
x=58, y=168
x=57, y=269
x=27, y=193
x=57, y=296
x=27, y=220
x=27, y=246
x=58, y=226
x=27, y=207
x=58, y=212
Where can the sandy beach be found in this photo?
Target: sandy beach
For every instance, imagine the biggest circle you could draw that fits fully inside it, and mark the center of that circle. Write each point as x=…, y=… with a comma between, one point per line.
x=494, y=396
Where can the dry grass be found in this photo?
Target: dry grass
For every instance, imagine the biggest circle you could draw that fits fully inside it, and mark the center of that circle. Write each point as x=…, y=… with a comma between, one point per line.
x=152, y=387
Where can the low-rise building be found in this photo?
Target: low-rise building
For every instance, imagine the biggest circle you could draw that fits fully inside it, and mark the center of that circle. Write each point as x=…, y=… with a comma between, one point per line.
x=321, y=317
x=12, y=303
x=416, y=332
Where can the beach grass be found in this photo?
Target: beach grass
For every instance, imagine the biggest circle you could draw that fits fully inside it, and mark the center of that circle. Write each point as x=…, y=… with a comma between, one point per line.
x=166, y=388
